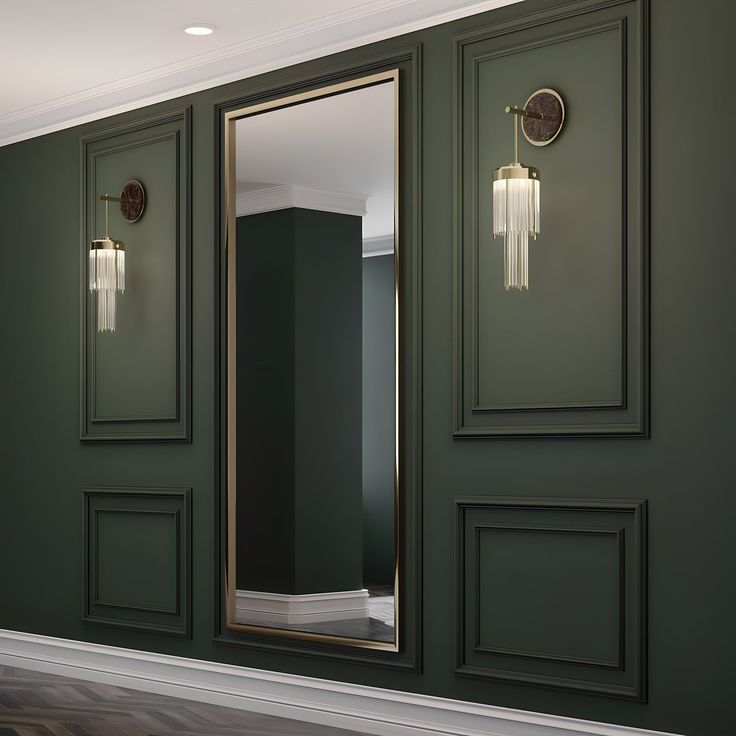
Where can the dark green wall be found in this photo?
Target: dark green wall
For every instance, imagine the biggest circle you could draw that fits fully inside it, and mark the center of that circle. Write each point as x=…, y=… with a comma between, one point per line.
x=265, y=368
x=328, y=425
x=379, y=406
x=683, y=470
x=299, y=368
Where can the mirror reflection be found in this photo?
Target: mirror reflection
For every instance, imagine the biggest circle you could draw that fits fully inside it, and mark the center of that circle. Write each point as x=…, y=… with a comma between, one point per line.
x=312, y=366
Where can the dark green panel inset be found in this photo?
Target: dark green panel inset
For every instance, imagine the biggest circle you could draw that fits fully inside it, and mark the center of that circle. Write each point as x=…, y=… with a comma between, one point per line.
x=136, y=380
x=568, y=356
x=539, y=589
x=129, y=542
x=137, y=558
x=126, y=386
x=560, y=343
x=552, y=592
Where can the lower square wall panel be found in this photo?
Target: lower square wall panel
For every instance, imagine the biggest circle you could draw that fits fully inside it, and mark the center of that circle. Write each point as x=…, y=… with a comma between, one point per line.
x=552, y=593
x=137, y=556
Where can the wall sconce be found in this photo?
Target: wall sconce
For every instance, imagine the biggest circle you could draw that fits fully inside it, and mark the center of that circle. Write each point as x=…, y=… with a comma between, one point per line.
x=516, y=186
x=107, y=256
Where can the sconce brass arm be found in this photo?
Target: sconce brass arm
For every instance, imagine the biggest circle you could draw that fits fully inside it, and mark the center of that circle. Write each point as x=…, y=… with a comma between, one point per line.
x=520, y=113
x=107, y=198
x=524, y=113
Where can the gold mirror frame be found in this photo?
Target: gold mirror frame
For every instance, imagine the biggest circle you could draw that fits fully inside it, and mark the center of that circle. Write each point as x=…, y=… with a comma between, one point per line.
x=231, y=118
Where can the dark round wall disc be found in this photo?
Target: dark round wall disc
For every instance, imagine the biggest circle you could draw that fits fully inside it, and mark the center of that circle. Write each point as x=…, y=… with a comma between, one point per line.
x=540, y=131
x=133, y=201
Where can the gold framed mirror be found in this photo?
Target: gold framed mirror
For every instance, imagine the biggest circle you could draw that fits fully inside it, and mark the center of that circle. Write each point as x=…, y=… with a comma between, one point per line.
x=312, y=365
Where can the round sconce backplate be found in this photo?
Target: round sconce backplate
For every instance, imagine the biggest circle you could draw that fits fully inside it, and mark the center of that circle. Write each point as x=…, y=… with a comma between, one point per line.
x=548, y=104
x=133, y=201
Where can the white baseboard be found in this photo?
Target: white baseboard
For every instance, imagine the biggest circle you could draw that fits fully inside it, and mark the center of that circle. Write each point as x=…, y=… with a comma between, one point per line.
x=255, y=606
x=358, y=707
x=379, y=245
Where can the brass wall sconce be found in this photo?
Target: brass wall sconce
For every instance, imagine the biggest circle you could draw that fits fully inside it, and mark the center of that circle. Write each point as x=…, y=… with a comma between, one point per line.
x=107, y=256
x=516, y=186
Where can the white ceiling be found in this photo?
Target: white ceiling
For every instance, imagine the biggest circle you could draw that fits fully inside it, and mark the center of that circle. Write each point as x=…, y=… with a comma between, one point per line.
x=73, y=61
x=339, y=144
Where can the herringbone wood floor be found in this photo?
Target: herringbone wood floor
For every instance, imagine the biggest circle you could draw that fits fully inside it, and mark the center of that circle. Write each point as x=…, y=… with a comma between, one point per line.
x=35, y=704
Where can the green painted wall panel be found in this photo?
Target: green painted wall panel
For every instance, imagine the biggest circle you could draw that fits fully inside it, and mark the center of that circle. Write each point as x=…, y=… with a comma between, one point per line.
x=570, y=356
x=553, y=593
x=136, y=559
x=135, y=368
x=136, y=381
x=560, y=343
x=683, y=470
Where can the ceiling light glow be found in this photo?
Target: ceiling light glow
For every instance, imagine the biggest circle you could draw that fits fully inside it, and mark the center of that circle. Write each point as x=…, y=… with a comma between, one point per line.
x=199, y=29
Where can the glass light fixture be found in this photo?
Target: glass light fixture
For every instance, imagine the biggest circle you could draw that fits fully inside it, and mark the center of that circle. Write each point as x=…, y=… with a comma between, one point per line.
x=516, y=186
x=107, y=256
x=107, y=279
x=516, y=217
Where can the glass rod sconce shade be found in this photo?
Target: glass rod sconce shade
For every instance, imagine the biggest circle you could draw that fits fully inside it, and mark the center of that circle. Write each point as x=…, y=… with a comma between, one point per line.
x=107, y=279
x=516, y=186
x=106, y=266
x=516, y=218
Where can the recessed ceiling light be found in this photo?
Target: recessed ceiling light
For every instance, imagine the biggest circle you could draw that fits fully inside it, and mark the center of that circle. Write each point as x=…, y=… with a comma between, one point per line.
x=199, y=29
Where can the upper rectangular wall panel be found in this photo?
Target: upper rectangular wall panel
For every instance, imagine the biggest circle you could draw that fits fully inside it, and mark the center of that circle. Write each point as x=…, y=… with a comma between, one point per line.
x=135, y=381
x=568, y=356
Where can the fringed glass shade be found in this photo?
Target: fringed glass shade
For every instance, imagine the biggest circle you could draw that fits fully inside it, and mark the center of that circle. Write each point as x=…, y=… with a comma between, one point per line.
x=516, y=217
x=107, y=279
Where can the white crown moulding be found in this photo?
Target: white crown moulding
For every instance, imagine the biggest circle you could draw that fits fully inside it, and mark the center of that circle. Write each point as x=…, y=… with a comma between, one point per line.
x=368, y=23
x=285, y=196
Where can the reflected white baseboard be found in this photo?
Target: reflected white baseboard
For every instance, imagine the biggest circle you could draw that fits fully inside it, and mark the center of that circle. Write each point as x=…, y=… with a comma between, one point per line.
x=254, y=606
x=360, y=708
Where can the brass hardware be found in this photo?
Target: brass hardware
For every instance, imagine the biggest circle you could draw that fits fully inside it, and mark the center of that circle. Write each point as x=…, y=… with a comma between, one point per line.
x=525, y=113
x=132, y=200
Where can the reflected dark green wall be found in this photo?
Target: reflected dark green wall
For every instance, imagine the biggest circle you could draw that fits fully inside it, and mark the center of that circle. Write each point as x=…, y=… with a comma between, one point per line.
x=299, y=367
x=683, y=470
x=328, y=420
x=265, y=369
x=378, y=419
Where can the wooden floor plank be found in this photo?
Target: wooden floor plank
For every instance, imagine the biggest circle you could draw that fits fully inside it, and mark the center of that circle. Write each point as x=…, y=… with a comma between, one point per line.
x=37, y=704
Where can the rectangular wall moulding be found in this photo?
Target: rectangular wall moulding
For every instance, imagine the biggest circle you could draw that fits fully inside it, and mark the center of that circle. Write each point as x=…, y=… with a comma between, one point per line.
x=135, y=382
x=137, y=558
x=552, y=592
x=568, y=357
